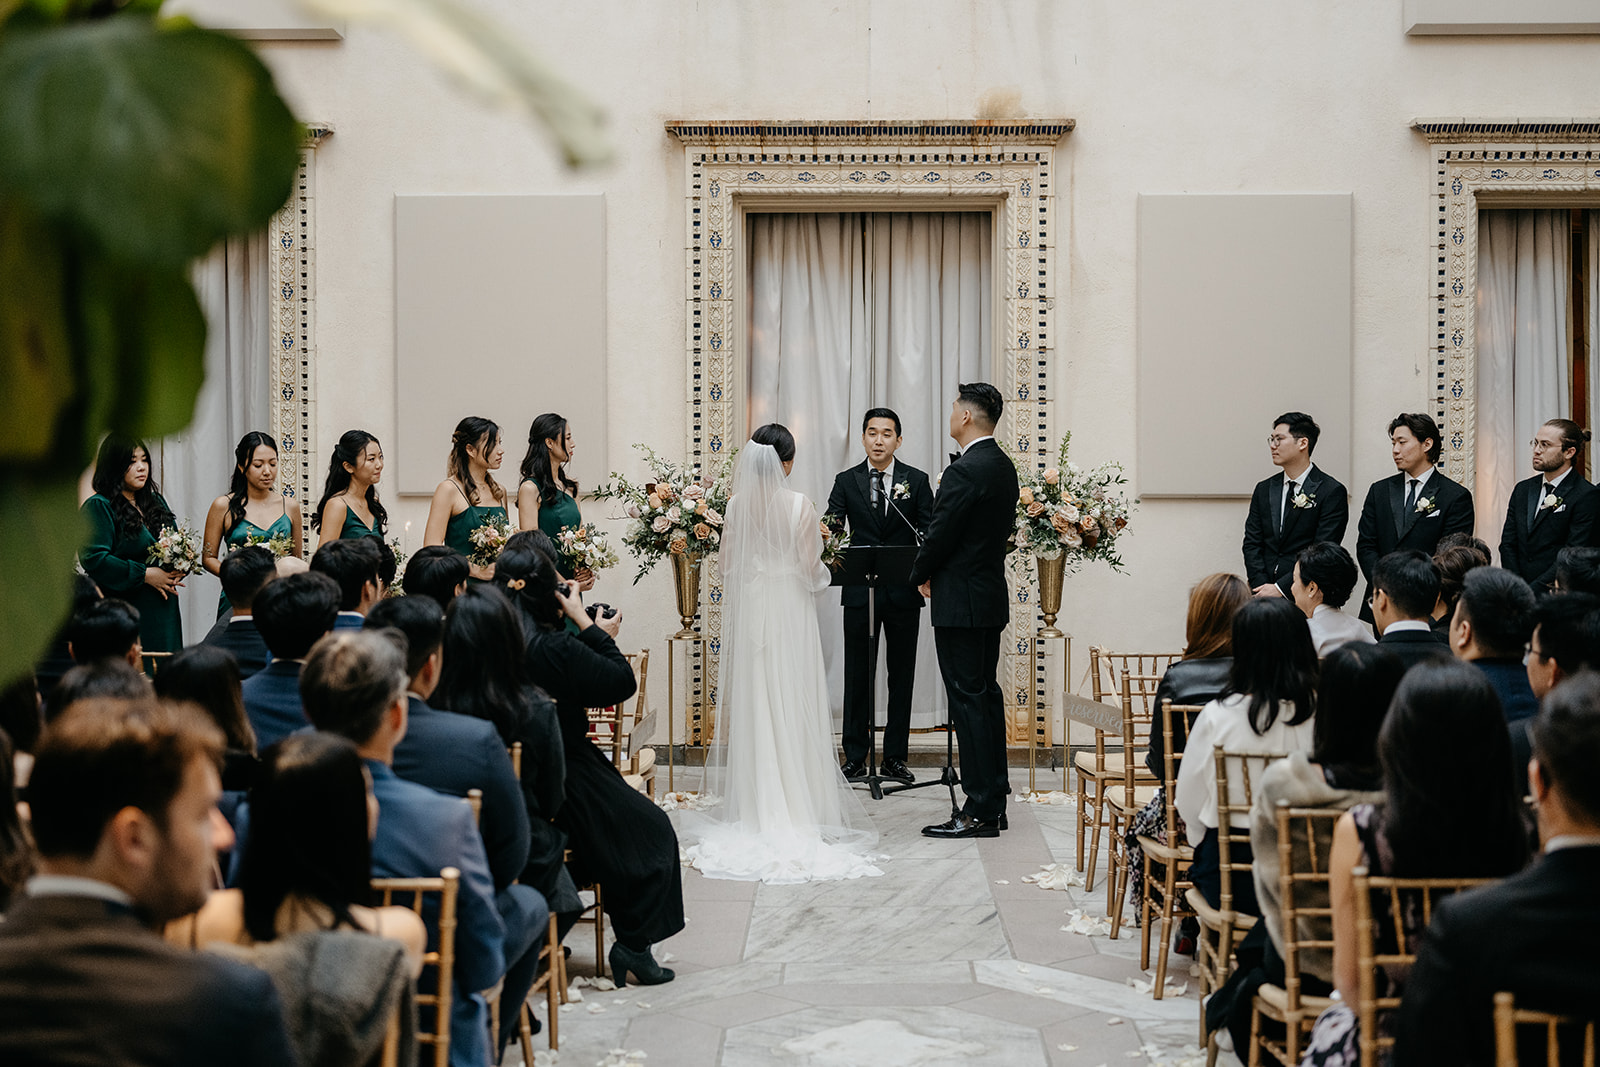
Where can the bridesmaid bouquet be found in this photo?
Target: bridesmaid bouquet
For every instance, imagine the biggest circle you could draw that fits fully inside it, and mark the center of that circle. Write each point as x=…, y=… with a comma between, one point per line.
x=1067, y=511
x=279, y=546
x=488, y=540
x=834, y=542
x=177, y=549
x=398, y=588
x=679, y=513
x=586, y=549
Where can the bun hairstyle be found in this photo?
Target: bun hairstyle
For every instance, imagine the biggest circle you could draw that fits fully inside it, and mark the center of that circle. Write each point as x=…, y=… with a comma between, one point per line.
x=110, y=471
x=348, y=450
x=238, y=486
x=1572, y=436
x=536, y=463
x=526, y=573
x=471, y=431
x=778, y=436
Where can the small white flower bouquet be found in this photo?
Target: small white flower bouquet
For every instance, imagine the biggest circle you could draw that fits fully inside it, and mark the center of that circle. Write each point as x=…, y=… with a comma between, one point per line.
x=279, y=546
x=488, y=540
x=834, y=542
x=177, y=549
x=585, y=548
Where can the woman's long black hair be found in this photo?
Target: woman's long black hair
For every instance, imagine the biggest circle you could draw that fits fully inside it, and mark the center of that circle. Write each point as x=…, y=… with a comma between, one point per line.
x=536, y=464
x=308, y=832
x=525, y=572
x=208, y=677
x=348, y=450
x=1273, y=661
x=239, y=485
x=470, y=431
x=110, y=471
x=483, y=672
x=1358, y=682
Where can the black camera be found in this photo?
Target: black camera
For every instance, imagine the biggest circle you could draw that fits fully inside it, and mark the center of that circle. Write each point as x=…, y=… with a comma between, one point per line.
x=596, y=611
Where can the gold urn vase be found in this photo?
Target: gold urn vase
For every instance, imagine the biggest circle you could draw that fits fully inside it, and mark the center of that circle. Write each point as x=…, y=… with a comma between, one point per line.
x=686, y=581
x=1051, y=571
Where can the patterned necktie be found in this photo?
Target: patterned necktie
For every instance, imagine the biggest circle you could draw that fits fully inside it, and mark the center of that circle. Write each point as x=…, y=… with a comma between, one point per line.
x=877, y=493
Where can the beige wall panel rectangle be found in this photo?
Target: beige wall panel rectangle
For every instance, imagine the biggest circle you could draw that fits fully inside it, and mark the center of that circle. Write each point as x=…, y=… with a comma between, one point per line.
x=1244, y=312
x=499, y=312
x=1501, y=16
x=260, y=20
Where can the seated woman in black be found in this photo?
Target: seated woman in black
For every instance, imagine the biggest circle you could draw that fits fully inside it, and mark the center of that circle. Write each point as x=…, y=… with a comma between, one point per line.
x=617, y=836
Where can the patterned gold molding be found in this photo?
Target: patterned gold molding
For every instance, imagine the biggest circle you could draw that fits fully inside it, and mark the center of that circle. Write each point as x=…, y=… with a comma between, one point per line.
x=291, y=281
x=1473, y=158
x=1003, y=167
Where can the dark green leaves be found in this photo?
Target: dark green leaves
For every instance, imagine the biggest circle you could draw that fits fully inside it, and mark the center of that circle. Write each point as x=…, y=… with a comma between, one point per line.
x=36, y=360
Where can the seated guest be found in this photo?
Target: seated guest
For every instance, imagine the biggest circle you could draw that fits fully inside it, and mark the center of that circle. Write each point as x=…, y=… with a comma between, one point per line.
x=21, y=719
x=436, y=571
x=208, y=678
x=57, y=660
x=388, y=565
x=354, y=564
x=1537, y=933
x=1405, y=588
x=484, y=678
x=1454, y=565
x=245, y=573
x=1492, y=624
x=109, y=679
x=307, y=874
x=124, y=805
x=1324, y=577
x=354, y=685
x=1465, y=539
x=618, y=837
x=1449, y=810
x=1267, y=708
x=16, y=851
x=292, y=614
x=1564, y=641
x=1578, y=571
x=454, y=753
x=107, y=629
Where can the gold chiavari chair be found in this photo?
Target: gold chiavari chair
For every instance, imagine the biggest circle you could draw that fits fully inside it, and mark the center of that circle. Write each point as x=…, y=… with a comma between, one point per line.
x=442, y=959
x=612, y=728
x=1307, y=925
x=152, y=662
x=595, y=914
x=1125, y=798
x=1507, y=1017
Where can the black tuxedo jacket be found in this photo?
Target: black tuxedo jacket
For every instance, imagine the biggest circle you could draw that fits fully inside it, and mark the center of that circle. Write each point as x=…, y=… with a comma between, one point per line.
x=964, y=552
x=83, y=982
x=1273, y=540
x=1531, y=537
x=851, y=500
x=1386, y=527
x=239, y=636
x=1536, y=935
x=1415, y=646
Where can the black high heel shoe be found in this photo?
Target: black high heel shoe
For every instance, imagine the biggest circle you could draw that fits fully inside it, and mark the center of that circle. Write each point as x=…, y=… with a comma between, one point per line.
x=642, y=965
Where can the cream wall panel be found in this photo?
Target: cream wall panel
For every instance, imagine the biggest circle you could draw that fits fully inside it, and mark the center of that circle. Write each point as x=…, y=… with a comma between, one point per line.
x=1501, y=16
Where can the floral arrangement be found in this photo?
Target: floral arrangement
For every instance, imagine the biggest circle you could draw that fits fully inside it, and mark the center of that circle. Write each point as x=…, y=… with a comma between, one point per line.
x=834, y=542
x=585, y=548
x=1066, y=510
x=398, y=586
x=177, y=549
x=488, y=540
x=280, y=546
x=679, y=513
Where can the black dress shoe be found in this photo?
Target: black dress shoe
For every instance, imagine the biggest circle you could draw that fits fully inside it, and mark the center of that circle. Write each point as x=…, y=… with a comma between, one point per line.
x=897, y=769
x=642, y=965
x=964, y=826
x=854, y=771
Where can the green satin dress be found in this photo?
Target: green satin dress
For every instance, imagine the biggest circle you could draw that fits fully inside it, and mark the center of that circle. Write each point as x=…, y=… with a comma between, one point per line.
x=240, y=535
x=458, y=531
x=117, y=565
x=354, y=527
x=555, y=517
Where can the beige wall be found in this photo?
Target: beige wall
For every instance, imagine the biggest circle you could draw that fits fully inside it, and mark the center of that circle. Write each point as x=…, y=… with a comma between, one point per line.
x=1229, y=97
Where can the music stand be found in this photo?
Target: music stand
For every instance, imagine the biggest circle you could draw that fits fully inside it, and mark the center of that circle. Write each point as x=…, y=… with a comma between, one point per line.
x=872, y=566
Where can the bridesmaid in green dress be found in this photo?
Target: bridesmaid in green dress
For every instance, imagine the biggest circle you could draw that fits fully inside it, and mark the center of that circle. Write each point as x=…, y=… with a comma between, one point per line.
x=547, y=499
x=458, y=506
x=251, y=507
x=349, y=503
x=124, y=515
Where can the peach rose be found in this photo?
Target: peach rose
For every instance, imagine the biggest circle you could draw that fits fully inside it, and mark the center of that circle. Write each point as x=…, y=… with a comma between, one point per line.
x=702, y=531
x=1025, y=495
x=679, y=543
x=693, y=491
x=1061, y=523
x=654, y=502
x=713, y=516
x=1035, y=509
x=1051, y=476
x=700, y=508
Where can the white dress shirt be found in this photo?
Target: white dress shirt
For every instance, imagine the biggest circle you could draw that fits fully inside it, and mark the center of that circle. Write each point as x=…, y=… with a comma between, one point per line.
x=888, y=484
x=1331, y=628
x=1291, y=487
x=1226, y=722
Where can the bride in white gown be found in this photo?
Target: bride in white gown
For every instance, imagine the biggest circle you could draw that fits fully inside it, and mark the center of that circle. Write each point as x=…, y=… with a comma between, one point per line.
x=786, y=813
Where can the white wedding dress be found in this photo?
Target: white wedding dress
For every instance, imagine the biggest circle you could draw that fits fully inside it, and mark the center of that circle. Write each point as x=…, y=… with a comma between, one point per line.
x=785, y=812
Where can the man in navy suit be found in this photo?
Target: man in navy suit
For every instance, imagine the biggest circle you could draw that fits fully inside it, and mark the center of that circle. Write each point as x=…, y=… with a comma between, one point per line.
x=961, y=568
x=1291, y=510
x=354, y=685
x=291, y=614
x=886, y=502
x=1405, y=588
x=245, y=573
x=1412, y=509
x=1553, y=509
x=355, y=564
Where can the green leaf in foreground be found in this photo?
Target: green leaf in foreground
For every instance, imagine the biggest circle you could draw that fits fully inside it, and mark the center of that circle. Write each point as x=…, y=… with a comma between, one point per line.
x=35, y=345
x=41, y=529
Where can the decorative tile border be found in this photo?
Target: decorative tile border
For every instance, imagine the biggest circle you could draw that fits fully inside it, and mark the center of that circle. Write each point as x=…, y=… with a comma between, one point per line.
x=291, y=280
x=1512, y=159
x=1003, y=167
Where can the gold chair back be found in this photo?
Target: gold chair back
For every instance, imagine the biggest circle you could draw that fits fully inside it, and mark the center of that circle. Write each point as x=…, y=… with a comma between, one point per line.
x=1507, y=1017
x=612, y=728
x=475, y=802
x=409, y=892
x=1096, y=770
x=515, y=752
x=1246, y=771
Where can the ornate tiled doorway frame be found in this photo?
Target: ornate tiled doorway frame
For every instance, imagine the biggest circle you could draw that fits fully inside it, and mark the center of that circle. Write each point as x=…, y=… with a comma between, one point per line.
x=731, y=168
x=1487, y=163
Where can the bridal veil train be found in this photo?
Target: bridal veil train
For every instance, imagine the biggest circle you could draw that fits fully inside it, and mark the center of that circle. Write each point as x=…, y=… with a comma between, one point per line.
x=786, y=813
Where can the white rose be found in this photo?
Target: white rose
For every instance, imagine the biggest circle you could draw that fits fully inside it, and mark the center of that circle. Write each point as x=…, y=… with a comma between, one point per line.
x=633, y=511
x=661, y=524
x=674, y=514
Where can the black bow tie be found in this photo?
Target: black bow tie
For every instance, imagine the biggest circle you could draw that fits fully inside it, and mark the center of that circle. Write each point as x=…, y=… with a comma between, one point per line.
x=954, y=456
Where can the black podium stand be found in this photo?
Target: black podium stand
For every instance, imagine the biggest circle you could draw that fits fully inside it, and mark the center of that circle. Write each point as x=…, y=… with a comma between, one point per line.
x=873, y=566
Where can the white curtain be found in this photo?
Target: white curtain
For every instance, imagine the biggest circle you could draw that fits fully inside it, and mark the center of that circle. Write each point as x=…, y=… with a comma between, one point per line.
x=853, y=311
x=1524, y=376
x=194, y=466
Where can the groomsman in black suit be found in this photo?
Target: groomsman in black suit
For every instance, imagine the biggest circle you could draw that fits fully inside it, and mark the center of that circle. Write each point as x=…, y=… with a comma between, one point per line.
x=1291, y=510
x=1553, y=509
x=886, y=503
x=961, y=568
x=1412, y=509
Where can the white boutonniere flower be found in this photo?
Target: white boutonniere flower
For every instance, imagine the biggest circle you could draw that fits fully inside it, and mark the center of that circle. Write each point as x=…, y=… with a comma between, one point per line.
x=1426, y=506
x=902, y=490
x=1550, y=501
x=1304, y=499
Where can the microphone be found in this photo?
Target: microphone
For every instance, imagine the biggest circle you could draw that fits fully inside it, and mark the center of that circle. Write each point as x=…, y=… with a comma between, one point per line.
x=888, y=497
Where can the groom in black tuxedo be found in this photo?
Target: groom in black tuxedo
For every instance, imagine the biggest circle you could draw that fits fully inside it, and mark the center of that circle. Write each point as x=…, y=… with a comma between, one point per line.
x=886, y=503
x=961, y=567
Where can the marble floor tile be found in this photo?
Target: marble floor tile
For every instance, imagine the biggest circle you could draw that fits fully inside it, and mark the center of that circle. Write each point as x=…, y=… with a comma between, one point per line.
x=944, y=972
x=697, y=886
x=861, y=1036
x=700, y=987
x=1097, y=994
x=741, y=1008
x=671, y=1040
x=848, y=934
x=1094, y=1041
x=908, y=990
x=934, y=881
x=1022, y=1008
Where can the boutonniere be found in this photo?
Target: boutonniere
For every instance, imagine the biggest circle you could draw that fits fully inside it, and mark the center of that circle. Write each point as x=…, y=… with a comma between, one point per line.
x=902, y=490
x=1304, y=499
x=1426, y=506
x=1549, y=502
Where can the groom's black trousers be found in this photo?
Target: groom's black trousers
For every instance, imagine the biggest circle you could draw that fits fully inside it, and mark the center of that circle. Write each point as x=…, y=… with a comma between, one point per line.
x=969, y=659
x=899, y=627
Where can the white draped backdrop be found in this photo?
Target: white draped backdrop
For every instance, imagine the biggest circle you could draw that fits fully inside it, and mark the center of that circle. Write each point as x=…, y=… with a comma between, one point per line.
x=859, y=310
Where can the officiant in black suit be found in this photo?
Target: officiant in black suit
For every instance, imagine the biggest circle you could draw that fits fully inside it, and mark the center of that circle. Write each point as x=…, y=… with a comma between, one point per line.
x=886, y=502
x=1412, y=509
x=1553, y=509
x=1293, y=509
x=961, y=568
